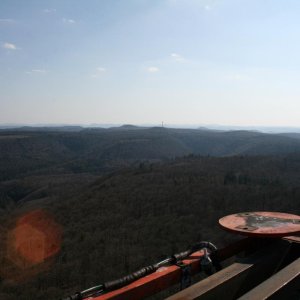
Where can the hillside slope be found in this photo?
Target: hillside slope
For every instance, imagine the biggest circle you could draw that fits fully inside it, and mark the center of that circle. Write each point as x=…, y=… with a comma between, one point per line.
x=116, y=223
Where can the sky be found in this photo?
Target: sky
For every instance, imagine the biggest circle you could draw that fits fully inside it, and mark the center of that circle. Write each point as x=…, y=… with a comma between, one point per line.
x=230, y=62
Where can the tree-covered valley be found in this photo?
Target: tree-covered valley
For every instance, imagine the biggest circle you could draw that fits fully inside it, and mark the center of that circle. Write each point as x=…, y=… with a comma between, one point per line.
x=126, y=197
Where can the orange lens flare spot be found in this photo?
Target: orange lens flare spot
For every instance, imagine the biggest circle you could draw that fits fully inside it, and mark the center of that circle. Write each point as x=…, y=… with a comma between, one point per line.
x=35, y=238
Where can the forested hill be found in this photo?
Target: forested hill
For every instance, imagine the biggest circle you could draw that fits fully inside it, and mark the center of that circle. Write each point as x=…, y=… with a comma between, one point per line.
x=127, y=196
x=114, y=224
x=76, y=150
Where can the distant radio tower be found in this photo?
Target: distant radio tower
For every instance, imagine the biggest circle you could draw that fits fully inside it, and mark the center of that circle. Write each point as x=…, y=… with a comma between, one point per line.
x=162, y=124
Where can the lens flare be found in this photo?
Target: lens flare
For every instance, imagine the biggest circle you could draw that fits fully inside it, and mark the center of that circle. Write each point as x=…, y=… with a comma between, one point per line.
x=34, y=239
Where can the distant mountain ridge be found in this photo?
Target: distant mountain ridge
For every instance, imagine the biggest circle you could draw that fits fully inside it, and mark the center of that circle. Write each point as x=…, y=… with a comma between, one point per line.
x=213, y=127
x=79, y=149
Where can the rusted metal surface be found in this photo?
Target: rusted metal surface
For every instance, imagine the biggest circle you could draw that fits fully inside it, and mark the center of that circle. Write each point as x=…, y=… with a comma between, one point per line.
x=293, y=238
x=162, y=279
x=262, y=224
x=237, y=279
x=283, y=285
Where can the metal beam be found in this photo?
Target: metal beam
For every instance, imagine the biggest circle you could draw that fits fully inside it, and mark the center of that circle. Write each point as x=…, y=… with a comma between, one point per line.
x=166, y=277
x=238, y=278
x=283, y=285
x=162, y=279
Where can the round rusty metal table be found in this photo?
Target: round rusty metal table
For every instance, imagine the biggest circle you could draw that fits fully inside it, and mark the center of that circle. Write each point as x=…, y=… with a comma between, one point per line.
x=262, y=224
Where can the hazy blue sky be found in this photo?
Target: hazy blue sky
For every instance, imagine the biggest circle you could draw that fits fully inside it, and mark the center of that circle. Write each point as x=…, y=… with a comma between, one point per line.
x=231, y=62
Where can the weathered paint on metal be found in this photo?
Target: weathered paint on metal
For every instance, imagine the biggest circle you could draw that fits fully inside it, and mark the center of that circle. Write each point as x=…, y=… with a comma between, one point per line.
x=262, y=224
x=167, y=276
x=293, y=238
x=162, y=279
